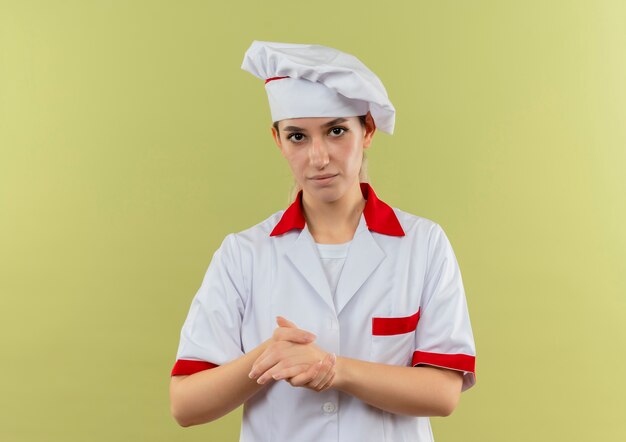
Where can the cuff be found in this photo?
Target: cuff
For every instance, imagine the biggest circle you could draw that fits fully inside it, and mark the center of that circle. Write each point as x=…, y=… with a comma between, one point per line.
x=459, y=361
x=188, y=366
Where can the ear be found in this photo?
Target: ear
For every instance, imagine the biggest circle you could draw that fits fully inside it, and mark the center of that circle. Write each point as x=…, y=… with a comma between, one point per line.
x=370, y=128
x=276, y=139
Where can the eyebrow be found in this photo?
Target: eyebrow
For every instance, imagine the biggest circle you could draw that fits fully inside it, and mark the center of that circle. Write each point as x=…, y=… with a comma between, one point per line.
x=330, y=123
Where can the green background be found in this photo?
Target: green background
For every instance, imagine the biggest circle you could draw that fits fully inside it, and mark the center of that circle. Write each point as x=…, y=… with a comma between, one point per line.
x=131, y=143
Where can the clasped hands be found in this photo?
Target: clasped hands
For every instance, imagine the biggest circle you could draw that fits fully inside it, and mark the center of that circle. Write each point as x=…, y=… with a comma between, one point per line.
x=290, y=354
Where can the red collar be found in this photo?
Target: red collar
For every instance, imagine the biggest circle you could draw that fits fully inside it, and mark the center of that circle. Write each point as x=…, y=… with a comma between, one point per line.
x=379, y=216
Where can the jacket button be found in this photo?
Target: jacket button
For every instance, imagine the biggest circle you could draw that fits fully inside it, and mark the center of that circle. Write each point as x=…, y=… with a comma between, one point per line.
x=329, y=407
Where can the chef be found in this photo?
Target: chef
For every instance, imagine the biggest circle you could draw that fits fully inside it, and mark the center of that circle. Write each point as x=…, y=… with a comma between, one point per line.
x=340, y=318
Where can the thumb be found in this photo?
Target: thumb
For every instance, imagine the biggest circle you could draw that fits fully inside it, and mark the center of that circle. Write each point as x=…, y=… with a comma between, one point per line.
x=284, y=322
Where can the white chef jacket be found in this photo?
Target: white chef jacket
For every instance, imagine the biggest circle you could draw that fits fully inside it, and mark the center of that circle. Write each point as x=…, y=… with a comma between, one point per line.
x=399, y=300
x=333, y=257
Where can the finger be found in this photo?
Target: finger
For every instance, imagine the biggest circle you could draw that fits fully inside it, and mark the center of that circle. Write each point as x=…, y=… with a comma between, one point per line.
x=317, y=384
x=275, y=372
x=268, y=375
x=296, y=335
x=290, y=372
x=255, y=370
x=304, y=378
x=270, y=356
x=267, y=360
x=278, y=356
x=328, y=369
x=282, y=351
x=328, y=365
x=261, y=357
x=284, y=322
x=292, y=358
x=328, y=384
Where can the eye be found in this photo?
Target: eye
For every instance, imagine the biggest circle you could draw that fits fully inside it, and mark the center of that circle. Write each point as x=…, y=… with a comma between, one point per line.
x=295, y=134
x=342, y=129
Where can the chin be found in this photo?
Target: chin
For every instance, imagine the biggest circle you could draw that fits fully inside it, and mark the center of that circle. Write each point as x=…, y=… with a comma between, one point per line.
x=325, y=193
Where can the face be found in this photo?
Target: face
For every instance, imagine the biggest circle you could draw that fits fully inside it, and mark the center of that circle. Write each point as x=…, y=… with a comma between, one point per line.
x=324, y=153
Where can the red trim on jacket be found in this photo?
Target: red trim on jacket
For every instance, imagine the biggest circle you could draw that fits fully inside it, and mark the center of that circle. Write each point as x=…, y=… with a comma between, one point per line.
x=395, y=326
x=379, y=216
x=274, y=78
x=188, y=366
x=457, y=361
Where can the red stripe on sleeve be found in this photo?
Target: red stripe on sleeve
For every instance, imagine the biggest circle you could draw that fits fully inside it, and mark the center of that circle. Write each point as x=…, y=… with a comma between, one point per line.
x=395, y=326
x=187, y=366
x=455, y=361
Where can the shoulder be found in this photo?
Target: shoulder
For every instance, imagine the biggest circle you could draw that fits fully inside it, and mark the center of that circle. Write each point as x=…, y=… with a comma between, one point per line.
x=424, y=233
x=254, y=238
x=260, y=231
x=417, y=225
x=239, y=250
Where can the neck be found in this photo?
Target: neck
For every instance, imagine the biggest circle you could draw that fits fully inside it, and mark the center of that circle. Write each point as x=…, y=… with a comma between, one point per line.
x=336, y=221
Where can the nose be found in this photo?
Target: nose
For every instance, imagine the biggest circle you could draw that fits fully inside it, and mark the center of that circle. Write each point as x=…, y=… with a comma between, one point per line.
x=318, y=154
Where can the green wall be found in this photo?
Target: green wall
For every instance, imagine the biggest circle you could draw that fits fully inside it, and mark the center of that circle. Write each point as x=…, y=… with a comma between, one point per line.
x=131, y=142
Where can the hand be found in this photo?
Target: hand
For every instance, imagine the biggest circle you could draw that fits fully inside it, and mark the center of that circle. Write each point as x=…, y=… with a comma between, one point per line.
x=318, y=377
x=292, y=356
x=281, y=337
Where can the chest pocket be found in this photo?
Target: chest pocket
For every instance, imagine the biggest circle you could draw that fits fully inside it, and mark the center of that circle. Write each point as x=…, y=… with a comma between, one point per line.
x=393, y=338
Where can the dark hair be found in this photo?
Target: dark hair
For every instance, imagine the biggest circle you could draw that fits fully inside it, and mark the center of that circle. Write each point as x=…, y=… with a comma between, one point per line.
x=361, y=119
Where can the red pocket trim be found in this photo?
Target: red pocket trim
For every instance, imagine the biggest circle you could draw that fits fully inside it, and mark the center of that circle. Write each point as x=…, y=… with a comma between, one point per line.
x=188, y=366
x=395, y=326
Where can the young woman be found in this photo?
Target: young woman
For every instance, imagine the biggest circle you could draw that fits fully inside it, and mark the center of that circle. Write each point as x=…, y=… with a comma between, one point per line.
x=337, y=319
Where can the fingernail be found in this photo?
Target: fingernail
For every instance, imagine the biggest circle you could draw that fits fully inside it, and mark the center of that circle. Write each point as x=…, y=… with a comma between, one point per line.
x=251, y=375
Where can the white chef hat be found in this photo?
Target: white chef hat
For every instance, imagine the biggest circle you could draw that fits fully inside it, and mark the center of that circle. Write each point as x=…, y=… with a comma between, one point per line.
x=307, y=80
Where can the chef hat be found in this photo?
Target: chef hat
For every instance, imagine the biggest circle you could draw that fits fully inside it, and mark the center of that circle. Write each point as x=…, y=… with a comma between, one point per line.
x=306, y=80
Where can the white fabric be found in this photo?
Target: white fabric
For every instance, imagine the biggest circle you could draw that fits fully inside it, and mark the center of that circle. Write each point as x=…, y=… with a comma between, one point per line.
x=323, y=82
x=333, y=257
x=253, y=278
x=298, y=98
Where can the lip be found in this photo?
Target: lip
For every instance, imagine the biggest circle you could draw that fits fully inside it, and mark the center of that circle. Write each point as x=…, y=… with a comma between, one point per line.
x=323, y=179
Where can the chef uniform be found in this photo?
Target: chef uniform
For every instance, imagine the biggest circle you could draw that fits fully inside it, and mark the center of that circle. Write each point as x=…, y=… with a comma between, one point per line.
x=391, y=295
